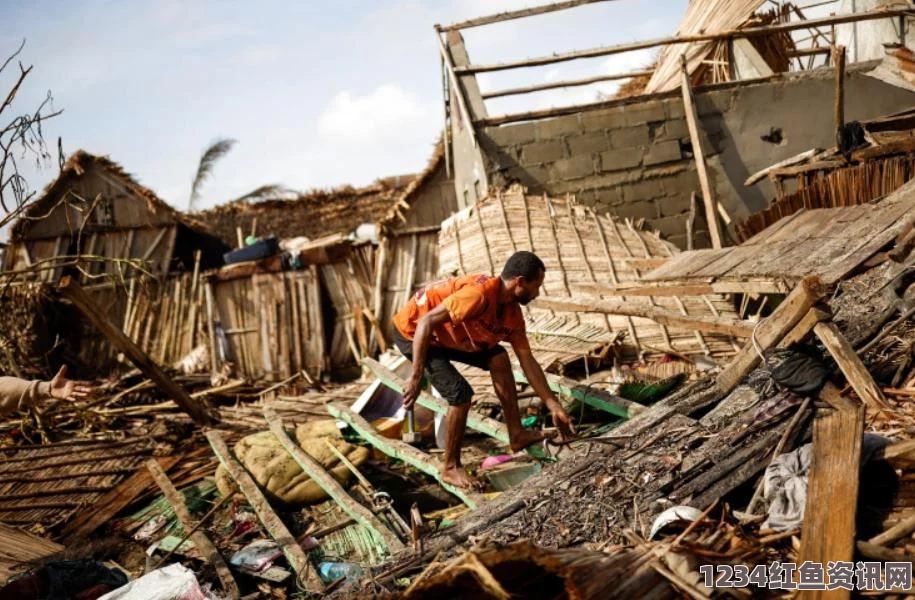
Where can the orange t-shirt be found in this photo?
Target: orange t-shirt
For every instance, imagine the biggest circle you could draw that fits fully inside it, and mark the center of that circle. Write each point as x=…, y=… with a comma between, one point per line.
x=473, y=303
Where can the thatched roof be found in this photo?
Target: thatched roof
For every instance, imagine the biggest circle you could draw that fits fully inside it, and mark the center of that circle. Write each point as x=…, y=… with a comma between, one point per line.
x=580, y=248
x=395, y=214
x=313, y=214
x=76, y=166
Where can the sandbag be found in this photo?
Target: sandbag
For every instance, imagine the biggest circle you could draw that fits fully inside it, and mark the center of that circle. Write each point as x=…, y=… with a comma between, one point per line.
x=280, y=478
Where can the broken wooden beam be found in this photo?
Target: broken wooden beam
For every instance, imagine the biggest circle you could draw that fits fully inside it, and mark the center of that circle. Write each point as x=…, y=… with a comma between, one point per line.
x=383, y=536
x=593, y=397
x=72, y=291
x=307, y=576
x=829, y=535
x=854, y=370
x=401, y=451
x=805, y=326
x=203, y=544
x=114, y=501
x=389, y=378
x=723, y=325
x=692, y=123
x=772, y=329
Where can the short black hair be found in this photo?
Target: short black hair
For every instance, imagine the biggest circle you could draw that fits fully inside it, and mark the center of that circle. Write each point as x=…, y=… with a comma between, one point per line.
x=523, y=263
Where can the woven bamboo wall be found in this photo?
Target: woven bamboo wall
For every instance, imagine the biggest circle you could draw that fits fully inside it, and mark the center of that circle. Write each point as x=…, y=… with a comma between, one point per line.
x=349, y=285
x=579, y=247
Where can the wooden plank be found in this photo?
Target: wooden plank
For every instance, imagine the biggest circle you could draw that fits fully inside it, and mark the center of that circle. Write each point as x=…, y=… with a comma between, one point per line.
x=692, y=118
x=774, y=228
x=746, y=32
x=490, y=427
x=515, y=14
x=685, y=287
x=72, y=291
x=772, y=329
x=593, y=397
x=724, y=325
x=203, y=544
x=114, y=501
x=384, y=536
x=401, y=451
x=855, y=372
x=686, y=264
x=804, y=326
x=829, y=535
x=307, y=576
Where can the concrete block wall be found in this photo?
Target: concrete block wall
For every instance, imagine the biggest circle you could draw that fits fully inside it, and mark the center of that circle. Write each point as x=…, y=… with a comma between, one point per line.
x=635, y=160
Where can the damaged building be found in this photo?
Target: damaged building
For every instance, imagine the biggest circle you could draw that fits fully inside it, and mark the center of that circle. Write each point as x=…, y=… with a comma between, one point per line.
x=726, y=315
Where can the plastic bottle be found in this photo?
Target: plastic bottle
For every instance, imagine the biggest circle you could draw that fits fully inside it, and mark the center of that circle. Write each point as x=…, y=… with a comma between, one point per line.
x=332, y=571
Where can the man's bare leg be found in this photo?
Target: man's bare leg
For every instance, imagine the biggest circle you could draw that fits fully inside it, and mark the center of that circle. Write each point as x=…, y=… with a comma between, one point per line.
x=453, y=471
x=503, y=381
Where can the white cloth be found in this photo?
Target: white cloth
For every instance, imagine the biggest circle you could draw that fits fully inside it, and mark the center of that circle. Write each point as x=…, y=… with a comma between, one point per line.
x=785, y=483
x=174, y=582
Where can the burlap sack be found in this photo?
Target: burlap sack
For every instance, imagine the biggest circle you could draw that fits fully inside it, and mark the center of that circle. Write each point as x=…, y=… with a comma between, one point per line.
x=279, y=477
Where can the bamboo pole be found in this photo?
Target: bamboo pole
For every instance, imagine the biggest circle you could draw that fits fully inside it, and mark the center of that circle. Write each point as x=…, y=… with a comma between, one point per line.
x=515, y=14
x=748, y=32
x=692, y=122
x=563, y=84
x=401, y=451
x=838, y=59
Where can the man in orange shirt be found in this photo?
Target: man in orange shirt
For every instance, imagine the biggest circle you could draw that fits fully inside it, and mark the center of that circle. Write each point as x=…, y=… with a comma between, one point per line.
x=464, y=319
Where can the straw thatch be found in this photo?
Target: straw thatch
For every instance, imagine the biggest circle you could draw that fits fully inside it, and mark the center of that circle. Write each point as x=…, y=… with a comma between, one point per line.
x=314, y=214
x=579, y=247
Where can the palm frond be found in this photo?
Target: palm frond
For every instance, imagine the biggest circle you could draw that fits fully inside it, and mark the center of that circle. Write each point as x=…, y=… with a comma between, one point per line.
x=266, y=192
x=208, y=160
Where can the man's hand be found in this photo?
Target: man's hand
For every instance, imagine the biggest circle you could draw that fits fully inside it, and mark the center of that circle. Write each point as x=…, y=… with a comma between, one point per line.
x=67, y=389
x=411, y=391
x=561, y=420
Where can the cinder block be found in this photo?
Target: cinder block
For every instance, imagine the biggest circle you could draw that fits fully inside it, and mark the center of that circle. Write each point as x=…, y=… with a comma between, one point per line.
x=607, y=197
x=674, y=129
x=573, y=168
x=542, y=152
x=681, y=184
x=588, y=143
x=663, y=152
x=511, y=135
x=629, y=137
x=643, y=190
x=603, y=119
x=618, y=160
x=553, y=128
x=643, y=209
x=674, y=108
x=644, y=112
x=667, y=226
x=674, y=205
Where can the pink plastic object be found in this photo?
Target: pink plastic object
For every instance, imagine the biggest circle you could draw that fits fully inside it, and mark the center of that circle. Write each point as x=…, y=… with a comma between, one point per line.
x=492, y=461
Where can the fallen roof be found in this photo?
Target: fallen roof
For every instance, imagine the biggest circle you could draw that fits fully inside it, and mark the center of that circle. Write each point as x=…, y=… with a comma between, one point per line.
x=582, y=249
x=826, y=242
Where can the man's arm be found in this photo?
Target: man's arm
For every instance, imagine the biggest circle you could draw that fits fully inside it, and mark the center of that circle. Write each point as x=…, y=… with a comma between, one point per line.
x=421, y=340
x=18, y=394
x=537, y=380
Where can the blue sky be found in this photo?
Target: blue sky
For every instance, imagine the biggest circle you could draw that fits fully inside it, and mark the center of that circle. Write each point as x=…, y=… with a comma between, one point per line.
x=316, y=93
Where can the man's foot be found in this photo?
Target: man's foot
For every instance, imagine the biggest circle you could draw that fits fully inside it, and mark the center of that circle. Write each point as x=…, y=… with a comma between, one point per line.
x=459, y=478
x=525, y=438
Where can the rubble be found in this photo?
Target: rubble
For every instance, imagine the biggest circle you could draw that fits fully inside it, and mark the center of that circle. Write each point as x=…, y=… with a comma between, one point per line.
x=246, y=438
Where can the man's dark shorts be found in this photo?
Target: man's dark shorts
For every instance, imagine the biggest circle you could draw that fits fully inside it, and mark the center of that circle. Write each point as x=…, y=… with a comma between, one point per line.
x=442, y=374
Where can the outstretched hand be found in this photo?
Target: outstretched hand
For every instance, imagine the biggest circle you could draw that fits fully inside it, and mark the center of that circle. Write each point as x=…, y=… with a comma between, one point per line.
x=68, y=389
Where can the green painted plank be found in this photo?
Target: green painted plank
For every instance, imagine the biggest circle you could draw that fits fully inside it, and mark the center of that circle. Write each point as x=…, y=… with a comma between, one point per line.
x=402, y=451
x=388, y=542
x=490, y=427
x=595, y=398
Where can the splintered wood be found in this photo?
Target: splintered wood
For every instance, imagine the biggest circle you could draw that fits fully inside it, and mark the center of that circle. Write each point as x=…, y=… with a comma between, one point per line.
x=580, y=249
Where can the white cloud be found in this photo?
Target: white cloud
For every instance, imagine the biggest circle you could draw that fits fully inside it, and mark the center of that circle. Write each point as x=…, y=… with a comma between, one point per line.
x=387, y=110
